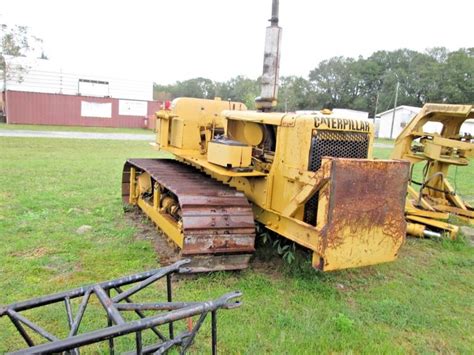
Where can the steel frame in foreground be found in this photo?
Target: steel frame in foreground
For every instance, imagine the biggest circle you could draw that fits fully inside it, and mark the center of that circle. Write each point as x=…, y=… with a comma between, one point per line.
x=116, y=324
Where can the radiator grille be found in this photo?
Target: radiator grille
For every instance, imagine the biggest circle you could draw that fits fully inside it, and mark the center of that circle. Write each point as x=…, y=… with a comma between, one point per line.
x=338, y=144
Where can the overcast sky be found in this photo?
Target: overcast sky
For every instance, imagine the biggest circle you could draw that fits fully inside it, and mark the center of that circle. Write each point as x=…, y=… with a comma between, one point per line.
x=169, y=40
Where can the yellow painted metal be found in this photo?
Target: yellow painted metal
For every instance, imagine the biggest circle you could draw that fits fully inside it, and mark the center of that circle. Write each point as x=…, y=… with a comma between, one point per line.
x=200, y=160
x=132, y=196
x=451, y=229
x=415, y=196
x=202, y=118
x=144, y=184
x=230, y=156
x=320, y=120
x=369, y=248
x=453, y=197
x=177, y=128
x=451, y=116
x=250, y=133
x=140, y=185
x=454, y=210
x=416, y=230
x=169, y=226
x=410, y=209
x=438, y=151
x=271, y=118
x=313, y=182
x=342, y=243
x=156, y=197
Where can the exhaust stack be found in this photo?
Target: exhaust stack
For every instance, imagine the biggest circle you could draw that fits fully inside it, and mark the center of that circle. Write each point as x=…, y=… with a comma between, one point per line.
x=271, y=63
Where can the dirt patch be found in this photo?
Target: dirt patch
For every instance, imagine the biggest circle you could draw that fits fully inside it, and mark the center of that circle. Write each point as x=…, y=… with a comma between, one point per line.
x=271, y=267
x=33, y=253
x=84, y=229
x=419, y=251
x=166, y=252
x=468, y=233
x=68, y=274
x=77, y=211
x=352, y=303
x=59, y=265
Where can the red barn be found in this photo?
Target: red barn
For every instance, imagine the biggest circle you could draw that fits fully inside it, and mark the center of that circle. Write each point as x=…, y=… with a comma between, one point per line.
x=44, y=94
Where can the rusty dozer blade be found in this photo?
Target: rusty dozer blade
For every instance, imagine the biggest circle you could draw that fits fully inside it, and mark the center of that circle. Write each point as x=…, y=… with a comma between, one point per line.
x=361, y=212
x=211, y=223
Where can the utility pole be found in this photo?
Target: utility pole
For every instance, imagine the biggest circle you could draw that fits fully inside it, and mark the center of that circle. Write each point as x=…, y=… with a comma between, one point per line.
x=394, y=108
x=376, y=105
x=4, y=72
x=376, y=125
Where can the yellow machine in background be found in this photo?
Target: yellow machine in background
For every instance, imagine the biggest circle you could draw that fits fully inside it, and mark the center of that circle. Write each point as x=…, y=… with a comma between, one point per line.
x=429, y=208
x=309, y=178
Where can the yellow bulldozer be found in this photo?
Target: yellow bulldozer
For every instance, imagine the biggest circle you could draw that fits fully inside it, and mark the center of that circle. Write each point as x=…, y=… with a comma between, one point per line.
x=308, y=178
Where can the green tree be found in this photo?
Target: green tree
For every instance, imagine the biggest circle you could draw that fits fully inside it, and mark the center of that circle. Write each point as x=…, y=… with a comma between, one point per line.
x=435, y=75
x=401, y=66
x=295, y=93
x=239, y=88
x=198, y=87
x=201, y=88
x=457, y=77
x=162, y=92
x=16, y=41
x=337, y=81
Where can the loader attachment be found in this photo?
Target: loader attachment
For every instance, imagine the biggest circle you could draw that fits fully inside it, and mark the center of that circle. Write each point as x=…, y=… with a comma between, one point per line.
x=438, y=139
x=361, y=213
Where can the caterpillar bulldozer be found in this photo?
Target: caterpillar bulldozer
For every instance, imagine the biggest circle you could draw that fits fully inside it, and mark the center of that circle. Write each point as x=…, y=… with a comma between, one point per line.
x=434, y=138
x=308, y=178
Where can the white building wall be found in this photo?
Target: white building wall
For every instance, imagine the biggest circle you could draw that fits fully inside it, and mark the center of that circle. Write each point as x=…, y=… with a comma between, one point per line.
x=343, y=112
x=403, y=115
x=45, y=76
x=467, y=127
x=433, y=127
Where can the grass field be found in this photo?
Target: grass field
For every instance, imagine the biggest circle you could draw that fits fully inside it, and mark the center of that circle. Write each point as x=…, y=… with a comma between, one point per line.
x=423, y=302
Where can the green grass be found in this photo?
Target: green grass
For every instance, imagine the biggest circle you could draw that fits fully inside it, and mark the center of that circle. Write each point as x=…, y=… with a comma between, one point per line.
x=385, y=141
x=4, y=126
x=462, y=178
x=423, y=302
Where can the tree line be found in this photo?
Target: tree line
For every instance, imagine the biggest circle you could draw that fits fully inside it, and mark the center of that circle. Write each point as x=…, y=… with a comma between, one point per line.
x=366, y=84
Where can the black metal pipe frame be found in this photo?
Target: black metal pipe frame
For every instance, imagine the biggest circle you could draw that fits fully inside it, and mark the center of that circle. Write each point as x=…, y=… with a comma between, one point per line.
x=116, y=324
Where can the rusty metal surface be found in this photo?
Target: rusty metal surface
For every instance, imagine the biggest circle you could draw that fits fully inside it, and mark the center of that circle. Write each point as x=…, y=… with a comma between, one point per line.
x=216, y=218
x=337, y=144
x=366, y=211
x=209, y=262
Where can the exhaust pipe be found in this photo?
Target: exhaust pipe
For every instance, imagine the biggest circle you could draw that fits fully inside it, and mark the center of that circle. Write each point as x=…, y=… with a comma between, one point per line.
x=271, y=63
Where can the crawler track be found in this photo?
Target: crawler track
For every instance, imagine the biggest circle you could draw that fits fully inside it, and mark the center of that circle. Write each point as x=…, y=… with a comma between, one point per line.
x=217, y=221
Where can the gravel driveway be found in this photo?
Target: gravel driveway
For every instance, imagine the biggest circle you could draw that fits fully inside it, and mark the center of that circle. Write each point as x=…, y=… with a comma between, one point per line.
x=91, y=135
x=77, y=135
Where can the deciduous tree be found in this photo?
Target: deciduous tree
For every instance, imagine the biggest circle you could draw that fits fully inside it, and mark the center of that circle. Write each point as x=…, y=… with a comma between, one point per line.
x=16, y=41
